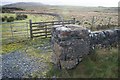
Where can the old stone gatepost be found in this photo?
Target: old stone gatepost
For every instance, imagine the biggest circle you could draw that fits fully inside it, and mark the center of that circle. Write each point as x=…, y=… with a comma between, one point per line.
x=70, y=43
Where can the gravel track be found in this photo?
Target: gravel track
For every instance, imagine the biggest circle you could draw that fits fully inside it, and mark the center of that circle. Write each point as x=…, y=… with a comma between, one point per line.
x=19, y=65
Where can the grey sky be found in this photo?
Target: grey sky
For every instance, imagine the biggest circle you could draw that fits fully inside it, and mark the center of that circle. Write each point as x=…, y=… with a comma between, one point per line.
x=106, y=3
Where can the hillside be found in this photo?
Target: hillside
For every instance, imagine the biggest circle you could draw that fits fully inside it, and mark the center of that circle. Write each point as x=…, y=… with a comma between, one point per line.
x=48, y=8
x=25, y=4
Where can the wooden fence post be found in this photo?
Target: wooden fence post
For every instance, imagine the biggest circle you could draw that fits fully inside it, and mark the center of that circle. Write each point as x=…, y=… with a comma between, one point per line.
x=11, y=31
x=109, y=21
x=27, y=24
x=73, y=20
x=92, y=23
x=45, y=31
x=31, y=35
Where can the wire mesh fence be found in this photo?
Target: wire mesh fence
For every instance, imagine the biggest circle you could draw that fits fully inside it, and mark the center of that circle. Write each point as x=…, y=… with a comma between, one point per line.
x=14, y=31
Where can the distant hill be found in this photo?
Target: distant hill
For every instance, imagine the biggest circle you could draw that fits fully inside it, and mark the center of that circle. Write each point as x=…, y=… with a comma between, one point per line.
x=40, y=7
x=25, y=4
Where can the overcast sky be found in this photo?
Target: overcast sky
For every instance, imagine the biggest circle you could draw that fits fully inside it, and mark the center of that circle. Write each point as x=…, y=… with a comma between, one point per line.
x=106, y=3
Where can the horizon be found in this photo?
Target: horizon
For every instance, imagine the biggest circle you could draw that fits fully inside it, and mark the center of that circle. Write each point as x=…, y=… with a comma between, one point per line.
x=89, y=3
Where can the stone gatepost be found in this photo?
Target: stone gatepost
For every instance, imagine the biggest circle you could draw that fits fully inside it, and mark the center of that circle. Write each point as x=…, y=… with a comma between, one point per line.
x=70, y=43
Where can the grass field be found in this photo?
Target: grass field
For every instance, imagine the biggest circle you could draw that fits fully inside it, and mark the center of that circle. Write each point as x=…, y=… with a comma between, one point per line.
x=19, y=29
x=102, y=64
x=83, y=14
x=33, y=17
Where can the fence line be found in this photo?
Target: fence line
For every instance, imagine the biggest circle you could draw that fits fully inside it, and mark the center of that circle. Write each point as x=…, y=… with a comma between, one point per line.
x=14, y=31
x=43, y=29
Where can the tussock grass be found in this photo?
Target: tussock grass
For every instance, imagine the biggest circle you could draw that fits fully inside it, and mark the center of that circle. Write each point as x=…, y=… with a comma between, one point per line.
x=11, y=47
x=102, y=64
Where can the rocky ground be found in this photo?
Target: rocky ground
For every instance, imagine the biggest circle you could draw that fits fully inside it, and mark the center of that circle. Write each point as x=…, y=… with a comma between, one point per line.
x=18, y=64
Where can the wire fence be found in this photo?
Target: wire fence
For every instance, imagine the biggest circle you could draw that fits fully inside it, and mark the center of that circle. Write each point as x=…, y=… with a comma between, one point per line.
x=14, y=31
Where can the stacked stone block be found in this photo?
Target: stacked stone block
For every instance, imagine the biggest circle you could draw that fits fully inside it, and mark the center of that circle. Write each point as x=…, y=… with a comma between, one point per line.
x=70, y=43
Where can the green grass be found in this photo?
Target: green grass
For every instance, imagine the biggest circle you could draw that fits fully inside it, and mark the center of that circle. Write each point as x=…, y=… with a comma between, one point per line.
x=29, y=47
x=33, y=51
x=102, y=64
x=11, y=47
x=33, y=17
x=20, y=28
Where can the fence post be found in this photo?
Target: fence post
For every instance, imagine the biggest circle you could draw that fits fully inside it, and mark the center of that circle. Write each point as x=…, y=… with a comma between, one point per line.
x=92, y=23
x=45, y=31
x=11, y=31
x=109, y=21
x=27, y=29
x=73, y=20
x=31, y=35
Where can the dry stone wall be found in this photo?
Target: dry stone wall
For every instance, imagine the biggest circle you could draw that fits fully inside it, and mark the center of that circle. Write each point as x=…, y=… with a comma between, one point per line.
x=105, y=38
x=71, y=42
